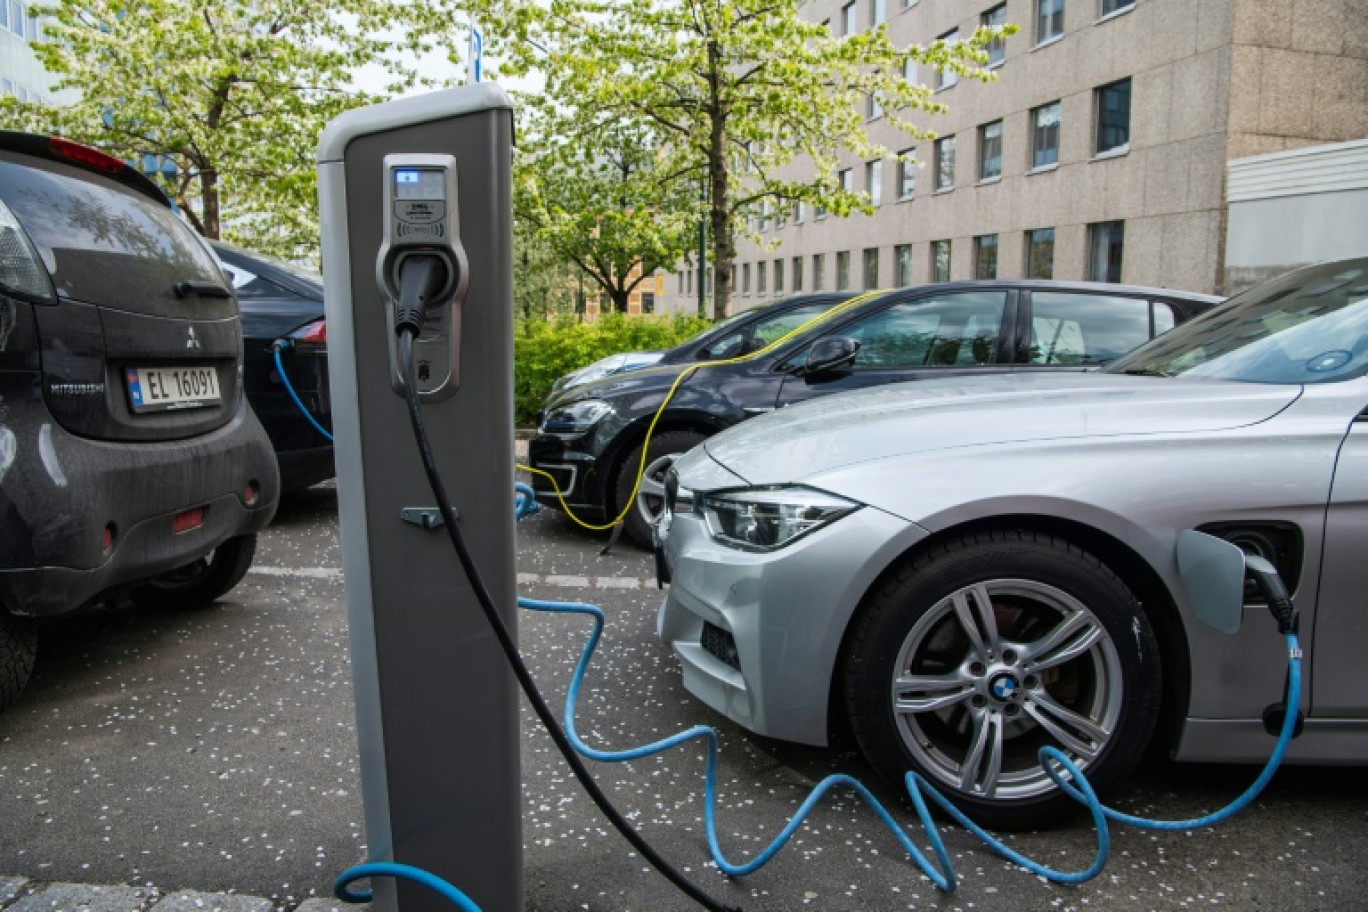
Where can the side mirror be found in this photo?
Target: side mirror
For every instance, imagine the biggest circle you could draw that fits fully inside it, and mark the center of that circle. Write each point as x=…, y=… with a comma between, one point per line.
x=830, y=354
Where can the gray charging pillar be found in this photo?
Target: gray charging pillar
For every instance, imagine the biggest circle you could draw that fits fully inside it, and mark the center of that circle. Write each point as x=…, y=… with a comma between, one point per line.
x=436, y=704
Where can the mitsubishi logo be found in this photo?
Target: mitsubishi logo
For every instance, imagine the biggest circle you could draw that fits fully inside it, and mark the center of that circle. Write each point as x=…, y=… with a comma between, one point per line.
x=192, y=342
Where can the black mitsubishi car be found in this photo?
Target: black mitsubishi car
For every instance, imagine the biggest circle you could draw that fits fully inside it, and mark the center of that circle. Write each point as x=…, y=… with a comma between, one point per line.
x=589, y=443
x=130, y=463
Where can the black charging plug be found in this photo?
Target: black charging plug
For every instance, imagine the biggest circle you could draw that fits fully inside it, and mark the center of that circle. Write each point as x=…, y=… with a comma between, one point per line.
x=1271, y=587
x=421, y=277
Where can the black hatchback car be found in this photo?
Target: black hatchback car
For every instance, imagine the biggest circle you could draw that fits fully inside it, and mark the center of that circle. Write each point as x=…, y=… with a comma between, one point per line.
x=130, y=462
x=590, y=439
x=738, y=334
x=282, y=309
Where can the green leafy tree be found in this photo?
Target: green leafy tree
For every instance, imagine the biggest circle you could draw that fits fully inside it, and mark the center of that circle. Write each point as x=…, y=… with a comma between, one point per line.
x=599, y=202
x=232, y=94
x=746, y=97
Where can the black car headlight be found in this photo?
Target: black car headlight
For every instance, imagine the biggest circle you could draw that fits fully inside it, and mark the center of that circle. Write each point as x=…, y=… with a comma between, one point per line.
x=575, y=417
x=765, y=519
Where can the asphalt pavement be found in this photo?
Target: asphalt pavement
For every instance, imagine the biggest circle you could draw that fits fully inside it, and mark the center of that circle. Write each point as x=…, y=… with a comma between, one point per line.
x=203, y=760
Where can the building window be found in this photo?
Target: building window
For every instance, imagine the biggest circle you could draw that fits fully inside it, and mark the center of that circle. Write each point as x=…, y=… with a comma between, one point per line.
x=846, y=179
x=940, y=261
x=871, y=268
x=874, y=181
x=843, y=270
x=873, y=110
x=798, y=212
x=818, y=271
x=910, y=71
x=778, y=276
x=945, y=163
x=760, y=283
x=4, y=15
x=990, y=150
x=847, y=20
x=765, y=209
x=1111, y=6
x=902, y=265
x=1049, y=20
x=1040, y=253
x=1045, y=135
x=745, y=279
x=985, y=256
x=995, y=18
x=946, y=78
x=1113, y=117
x=1105, y=243
x=796, y=269
x=648, y=302
x=907, y=177
x=877, y=13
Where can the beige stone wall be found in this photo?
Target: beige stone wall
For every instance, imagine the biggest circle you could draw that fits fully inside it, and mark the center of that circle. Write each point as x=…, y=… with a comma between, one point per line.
x=1298, y=74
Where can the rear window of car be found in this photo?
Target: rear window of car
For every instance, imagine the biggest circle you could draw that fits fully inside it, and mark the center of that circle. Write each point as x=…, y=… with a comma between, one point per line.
x=101, y=242
x=1072, y=328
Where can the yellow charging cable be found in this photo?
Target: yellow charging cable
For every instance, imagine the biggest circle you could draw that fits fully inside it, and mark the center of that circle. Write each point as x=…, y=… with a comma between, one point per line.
x=686, y=372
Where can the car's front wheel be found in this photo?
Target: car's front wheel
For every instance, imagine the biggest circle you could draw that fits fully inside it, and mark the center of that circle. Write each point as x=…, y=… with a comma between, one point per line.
x=973, y=656
x=199, y=582
x=649, y=501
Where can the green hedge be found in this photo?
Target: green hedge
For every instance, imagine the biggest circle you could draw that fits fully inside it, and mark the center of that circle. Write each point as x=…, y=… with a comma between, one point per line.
x=545, y=349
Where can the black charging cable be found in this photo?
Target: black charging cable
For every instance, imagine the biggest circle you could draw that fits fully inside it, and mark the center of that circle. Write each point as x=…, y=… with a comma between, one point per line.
x=407, y=333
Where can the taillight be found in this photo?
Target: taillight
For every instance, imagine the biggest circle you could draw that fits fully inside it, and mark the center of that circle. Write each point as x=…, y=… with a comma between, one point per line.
x=85, y=155
x=313, y=334
x=20, y=268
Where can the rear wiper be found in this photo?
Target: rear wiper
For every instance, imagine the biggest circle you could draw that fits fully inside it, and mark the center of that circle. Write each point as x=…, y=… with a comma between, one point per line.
x=1145, y=372
x=203, y=289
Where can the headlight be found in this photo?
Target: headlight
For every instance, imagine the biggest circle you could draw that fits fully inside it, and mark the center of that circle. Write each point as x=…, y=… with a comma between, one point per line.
x=575, y=418
x=765, y=519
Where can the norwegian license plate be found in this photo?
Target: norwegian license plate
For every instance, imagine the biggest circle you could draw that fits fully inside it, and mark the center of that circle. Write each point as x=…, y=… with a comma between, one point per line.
x=159, y=389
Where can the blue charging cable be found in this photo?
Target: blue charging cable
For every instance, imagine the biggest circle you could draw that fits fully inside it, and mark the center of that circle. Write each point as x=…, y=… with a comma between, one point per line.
x=276, y=347
x=1058, y=767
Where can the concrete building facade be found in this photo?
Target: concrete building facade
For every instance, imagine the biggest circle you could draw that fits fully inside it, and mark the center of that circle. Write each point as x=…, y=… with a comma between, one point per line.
x=21, y=75
x=1100, y=152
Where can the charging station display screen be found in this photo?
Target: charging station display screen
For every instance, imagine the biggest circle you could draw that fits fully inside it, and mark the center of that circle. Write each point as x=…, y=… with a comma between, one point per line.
x=418, y=184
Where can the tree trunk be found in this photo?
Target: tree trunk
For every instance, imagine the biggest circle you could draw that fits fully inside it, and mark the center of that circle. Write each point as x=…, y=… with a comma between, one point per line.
x=209, y=196
x=719, y=215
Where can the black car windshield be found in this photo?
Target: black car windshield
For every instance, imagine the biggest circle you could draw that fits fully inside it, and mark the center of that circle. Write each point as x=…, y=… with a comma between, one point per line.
x=1309, y=326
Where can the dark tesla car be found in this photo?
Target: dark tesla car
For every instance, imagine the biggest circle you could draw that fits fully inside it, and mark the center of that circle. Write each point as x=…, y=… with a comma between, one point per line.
x=738, y=334
x=590, y=439
x=282, y=306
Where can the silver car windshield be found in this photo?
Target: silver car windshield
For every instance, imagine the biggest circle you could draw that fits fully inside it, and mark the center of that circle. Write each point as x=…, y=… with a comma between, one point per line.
x=1310, y=326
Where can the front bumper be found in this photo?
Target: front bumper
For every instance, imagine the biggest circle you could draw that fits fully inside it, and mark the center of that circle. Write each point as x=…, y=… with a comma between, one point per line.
x=61, y=492
x=578, y=476
x=759, y=635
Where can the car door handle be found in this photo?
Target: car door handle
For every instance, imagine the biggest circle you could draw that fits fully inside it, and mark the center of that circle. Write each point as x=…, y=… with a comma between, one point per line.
x=203, y=289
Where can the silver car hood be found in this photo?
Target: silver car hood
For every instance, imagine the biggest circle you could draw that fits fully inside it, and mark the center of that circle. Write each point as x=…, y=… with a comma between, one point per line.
x=833, y=432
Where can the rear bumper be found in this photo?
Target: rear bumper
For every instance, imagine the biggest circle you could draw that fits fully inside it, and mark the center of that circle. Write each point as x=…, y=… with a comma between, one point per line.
x=61, y=492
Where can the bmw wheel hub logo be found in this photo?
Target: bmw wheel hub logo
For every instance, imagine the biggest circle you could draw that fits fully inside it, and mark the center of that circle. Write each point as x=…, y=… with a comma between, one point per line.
x=1005, y=687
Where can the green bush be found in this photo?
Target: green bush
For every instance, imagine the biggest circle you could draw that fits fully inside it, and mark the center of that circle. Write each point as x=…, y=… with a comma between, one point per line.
x=546, y=349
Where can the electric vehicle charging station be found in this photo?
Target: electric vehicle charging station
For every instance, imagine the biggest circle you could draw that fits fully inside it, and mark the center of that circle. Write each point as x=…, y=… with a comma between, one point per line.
x=425, y=181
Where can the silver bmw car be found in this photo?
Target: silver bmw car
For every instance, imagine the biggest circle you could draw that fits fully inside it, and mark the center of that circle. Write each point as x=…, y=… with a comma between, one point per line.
x=960, y=572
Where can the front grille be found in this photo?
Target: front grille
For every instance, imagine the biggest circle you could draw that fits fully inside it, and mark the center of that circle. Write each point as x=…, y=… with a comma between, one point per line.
x=719, y=644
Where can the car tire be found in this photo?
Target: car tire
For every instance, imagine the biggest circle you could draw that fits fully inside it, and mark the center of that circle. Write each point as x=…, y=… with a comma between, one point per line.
x=646, y=506
x=200, y=582
x=1066, y=657
x=18, y=654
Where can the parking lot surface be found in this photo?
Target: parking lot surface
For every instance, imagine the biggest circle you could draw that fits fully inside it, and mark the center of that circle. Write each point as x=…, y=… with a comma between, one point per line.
x=214, y=751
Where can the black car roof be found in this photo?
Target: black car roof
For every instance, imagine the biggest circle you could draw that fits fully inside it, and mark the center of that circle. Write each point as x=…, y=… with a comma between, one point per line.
x=255, y=263
x=874, y=299
x=40, y=146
